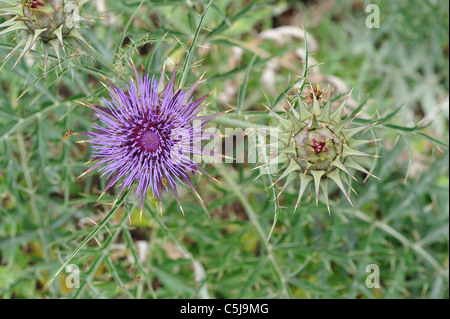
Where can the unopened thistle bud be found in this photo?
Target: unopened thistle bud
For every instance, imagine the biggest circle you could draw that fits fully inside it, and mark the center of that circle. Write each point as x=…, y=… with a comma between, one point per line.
x=319, y=146
x=49, y=22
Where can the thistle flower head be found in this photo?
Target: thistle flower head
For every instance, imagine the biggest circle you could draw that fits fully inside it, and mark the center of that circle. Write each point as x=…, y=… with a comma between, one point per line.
x=319, y=146
x=147, y=136
x=49, y=22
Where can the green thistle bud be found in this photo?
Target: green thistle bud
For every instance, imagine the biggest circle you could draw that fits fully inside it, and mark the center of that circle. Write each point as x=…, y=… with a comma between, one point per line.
x=49, y=22
x=318, y=146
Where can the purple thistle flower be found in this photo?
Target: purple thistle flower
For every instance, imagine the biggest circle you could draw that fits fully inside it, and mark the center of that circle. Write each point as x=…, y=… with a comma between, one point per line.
x=148, y=137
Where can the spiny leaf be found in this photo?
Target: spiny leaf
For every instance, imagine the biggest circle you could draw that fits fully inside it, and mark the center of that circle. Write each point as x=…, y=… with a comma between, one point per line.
x=304, y=182
x=292, y=167
x=347, y=151
x=305, y=114
x=335, y=176
x=325, y=115
x=317, y=175
x=336, y=116
x=298, y=126
x=324, y=186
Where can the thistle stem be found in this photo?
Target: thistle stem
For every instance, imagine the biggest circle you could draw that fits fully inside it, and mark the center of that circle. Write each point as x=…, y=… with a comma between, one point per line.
x=96, y=229
x=259, y=229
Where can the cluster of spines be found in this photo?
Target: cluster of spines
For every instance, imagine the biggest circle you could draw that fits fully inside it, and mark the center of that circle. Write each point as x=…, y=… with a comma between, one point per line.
x=316, y=117
x=27, y=37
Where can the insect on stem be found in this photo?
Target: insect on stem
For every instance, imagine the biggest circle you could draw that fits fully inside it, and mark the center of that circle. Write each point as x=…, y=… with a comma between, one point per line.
x=67, y=135
x=135, y=280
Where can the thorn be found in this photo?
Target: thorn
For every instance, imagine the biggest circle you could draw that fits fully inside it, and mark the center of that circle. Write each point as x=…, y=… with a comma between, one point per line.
x=83, y=173
x=98, y=243
x=182, y=211
x=269, y=187
x=101, y=195
x=91, y=221
x=117, y=198
x=257, y=177
x=370, y=175
x=348, y=198
x=161, y=208
x=90, y=161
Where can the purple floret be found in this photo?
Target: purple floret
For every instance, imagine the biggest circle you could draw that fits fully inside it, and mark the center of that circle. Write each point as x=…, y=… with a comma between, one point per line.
x=148, y=137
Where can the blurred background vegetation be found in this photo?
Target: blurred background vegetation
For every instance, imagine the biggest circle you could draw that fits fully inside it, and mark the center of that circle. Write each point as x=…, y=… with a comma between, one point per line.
x=250, y=52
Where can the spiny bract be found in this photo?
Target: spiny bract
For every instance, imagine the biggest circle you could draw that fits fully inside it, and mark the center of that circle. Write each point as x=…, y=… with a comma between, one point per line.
x=317, y=145
x=47, y=21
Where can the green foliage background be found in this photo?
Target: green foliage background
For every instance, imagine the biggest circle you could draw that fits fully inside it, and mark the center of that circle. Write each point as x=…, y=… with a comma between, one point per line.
x=220, y=250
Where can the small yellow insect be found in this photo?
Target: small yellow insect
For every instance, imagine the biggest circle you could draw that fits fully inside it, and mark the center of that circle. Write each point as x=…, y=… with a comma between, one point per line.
x=164, y=181
x=66, y=136
x=135, y=280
